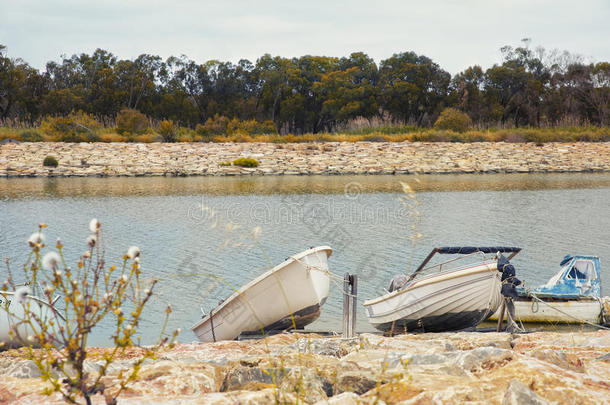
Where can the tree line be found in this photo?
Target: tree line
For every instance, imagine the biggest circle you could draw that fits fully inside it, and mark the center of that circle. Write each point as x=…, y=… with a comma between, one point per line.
x=311, y=94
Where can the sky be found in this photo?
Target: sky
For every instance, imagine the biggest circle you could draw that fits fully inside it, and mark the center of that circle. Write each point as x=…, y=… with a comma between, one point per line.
x=455, y=34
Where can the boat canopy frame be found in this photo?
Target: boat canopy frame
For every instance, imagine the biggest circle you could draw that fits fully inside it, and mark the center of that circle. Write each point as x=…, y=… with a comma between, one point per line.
x=466, y=251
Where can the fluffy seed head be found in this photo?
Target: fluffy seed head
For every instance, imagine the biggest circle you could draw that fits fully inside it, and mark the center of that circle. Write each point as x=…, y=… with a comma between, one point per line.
x=35, y=238
x=91, y=240
x=94, y=225
x=50, y=261
x=133, y=252
x=21, y=293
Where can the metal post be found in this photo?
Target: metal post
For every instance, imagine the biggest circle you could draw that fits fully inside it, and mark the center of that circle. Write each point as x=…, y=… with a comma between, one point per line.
x=346, y=289
x=354, y=297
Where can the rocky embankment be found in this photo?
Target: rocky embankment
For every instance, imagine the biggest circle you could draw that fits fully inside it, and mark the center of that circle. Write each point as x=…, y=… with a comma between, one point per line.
x=477, y=368
x=197, y=159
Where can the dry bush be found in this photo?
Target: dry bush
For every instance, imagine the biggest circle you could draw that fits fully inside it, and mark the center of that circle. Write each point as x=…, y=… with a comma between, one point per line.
x=65, y=306
x=146, y=138
x=167, y=130
x=454, y=120
x=112, y=137
x=76, y=127
x=131, y=122
x=219, y=125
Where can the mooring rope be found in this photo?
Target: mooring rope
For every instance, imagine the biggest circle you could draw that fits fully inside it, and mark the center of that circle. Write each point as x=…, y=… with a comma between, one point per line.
x=531, y=294
x=335, y=278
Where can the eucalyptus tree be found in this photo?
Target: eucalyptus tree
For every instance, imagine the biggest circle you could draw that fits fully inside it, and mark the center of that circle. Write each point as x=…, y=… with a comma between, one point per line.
x=348, y=92
x=468, y=96
x=412, y=87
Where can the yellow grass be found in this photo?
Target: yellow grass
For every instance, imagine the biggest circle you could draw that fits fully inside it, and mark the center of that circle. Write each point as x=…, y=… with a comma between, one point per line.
x=538, y=135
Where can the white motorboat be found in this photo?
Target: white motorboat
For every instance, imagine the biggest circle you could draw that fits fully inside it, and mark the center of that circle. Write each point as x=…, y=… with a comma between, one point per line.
x=288, y=296
x=12, y=315
x=446, y=297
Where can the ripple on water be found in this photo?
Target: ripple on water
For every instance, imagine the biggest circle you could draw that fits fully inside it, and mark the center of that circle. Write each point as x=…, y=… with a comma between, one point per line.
x=548, y=215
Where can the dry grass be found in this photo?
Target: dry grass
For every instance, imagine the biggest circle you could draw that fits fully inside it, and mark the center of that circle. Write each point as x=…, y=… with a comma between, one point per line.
x=537, y=135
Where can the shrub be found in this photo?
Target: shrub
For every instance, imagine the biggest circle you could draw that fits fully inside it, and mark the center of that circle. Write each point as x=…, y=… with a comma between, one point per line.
x=185, y=134
x=219, y=125
x=454, y=120
x=216, y=125
x=375, y=138
x=224, y=163
x=50, y=161
x=9, y=133
x=91, y=293
x=129, y=121
x=167, y=130
x=245, y=162
x=31, y=136
x=76, y=127
x=112, y=137
x=254, y=127
x=146, y=138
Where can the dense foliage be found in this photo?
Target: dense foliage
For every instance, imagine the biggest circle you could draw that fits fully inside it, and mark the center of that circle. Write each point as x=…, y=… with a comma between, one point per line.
x=309, y=94
x=245, y=162
x=50, y=161
x=454, y=120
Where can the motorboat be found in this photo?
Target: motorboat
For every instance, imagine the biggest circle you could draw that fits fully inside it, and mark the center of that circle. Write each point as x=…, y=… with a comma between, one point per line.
x=456, y=294
x=288, y=296
x=572, y=295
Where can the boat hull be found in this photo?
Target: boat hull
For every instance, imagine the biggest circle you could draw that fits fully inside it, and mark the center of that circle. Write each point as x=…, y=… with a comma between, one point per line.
x=448, y=301
x=557, y=311
x=288, y=296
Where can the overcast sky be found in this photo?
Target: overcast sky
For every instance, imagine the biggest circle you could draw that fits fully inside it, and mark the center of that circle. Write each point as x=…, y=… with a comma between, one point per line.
x=454, y=33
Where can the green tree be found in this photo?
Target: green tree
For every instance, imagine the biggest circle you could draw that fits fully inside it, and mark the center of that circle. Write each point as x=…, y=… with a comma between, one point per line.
x=519, y=85
x=137, y=81
x=412, y=87
x=467, y=87
x=348, y=92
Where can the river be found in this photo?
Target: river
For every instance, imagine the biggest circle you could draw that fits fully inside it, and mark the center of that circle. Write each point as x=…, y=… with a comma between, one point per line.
x=368, y=220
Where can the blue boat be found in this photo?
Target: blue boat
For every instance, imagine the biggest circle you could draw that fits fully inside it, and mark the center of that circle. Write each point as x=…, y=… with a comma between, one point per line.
x=578, y=278
x=572, y=295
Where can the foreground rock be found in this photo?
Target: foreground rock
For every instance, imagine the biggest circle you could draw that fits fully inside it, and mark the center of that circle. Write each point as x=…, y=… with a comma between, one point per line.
x=480, y=368
x=204, y=159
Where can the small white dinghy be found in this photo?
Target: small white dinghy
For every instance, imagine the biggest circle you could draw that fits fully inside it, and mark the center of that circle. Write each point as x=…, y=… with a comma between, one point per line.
x=14, y=317
x=287, y=296
x=447, y=298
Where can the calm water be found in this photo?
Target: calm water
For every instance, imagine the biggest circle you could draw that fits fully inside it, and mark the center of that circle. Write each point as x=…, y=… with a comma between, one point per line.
x=361, y=217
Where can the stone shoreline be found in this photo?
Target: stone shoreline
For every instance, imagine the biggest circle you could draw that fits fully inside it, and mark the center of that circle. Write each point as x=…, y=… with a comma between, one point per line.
x=430, y=368
x=204, y=159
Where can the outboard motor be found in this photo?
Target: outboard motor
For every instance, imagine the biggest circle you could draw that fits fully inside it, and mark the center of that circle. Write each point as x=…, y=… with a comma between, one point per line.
x=509, y=279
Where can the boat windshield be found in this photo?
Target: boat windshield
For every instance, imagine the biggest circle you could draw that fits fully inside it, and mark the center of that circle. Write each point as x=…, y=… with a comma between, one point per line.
x=582, y=270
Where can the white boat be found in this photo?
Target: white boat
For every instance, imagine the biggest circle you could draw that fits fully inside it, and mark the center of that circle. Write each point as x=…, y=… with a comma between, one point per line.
x=14, y=317
x=572, y=295
x=288, y=296
x=559, y=311
x=444, y=299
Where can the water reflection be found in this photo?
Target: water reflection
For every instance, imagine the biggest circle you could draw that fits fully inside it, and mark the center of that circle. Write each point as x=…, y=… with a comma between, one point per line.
x=15, y=188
